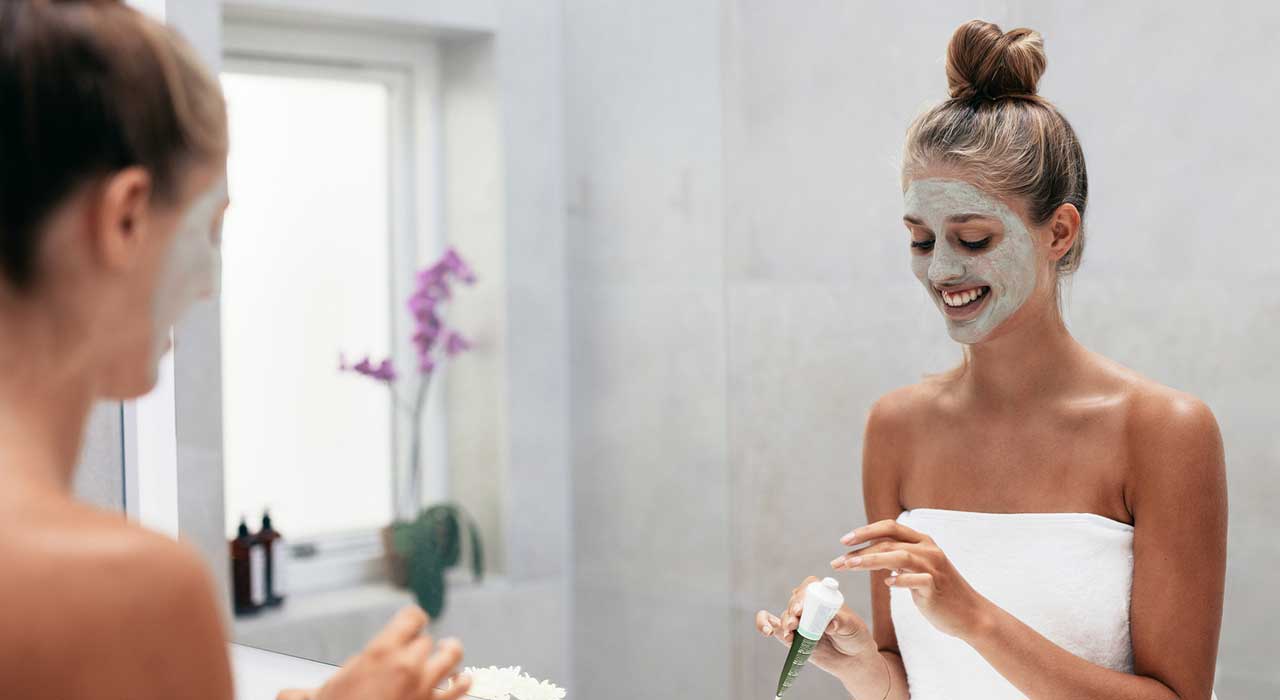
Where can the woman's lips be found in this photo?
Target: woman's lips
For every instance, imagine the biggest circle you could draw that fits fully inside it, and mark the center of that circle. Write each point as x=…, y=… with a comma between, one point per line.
x=962, y=304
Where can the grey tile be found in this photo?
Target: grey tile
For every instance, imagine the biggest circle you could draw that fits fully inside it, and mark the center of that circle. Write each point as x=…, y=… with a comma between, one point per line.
x=99, y=477
x=649, y=479
x=635, y=645
x=197, y=370
x=643, y=155
x=201, y=514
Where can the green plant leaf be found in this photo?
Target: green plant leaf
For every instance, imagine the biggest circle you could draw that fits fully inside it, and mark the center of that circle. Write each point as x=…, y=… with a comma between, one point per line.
x=477, y=551
x=447, y=535
x=426, y=579
x=438, y=526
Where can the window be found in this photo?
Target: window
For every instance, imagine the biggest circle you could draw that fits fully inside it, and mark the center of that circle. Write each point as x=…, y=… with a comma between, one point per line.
x=331, y=182
x=306, y=257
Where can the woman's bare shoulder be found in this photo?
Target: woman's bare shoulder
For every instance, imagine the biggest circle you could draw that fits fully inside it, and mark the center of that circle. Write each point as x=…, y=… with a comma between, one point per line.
x=104, y=602
x=897, y=411
x=1163, y=423
x=1172, y=440
x=891, y=424
x=1152, y=408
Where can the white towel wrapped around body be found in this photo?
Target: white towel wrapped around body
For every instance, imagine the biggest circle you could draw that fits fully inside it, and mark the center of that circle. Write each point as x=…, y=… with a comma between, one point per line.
x=1066, y=575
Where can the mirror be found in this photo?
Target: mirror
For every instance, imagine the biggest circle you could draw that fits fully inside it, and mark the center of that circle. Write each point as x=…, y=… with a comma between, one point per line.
x=566, y=322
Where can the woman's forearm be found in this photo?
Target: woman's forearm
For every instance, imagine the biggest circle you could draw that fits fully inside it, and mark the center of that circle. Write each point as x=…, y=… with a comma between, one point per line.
x=875, y=675
x=1043, y=670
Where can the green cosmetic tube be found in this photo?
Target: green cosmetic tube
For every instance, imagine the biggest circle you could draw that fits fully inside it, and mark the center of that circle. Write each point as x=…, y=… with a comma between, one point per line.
x=822, y=599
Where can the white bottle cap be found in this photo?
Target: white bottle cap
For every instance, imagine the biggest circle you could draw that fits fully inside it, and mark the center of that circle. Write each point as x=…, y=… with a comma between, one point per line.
x=822, y=600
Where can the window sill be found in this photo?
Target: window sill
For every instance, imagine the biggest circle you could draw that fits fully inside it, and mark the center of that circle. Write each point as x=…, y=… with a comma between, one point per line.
x=306, y=607
x=331, y=625
x=504, y=622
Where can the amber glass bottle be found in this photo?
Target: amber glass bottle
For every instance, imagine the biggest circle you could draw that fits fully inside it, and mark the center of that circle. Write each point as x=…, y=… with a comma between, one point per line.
x=273, y=550
x=241, y=572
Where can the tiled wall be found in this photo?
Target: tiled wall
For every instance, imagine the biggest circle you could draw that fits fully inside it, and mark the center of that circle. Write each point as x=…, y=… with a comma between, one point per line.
x=647, y=346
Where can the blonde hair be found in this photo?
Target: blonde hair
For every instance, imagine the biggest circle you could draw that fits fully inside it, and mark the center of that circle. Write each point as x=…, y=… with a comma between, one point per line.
x=998, y=131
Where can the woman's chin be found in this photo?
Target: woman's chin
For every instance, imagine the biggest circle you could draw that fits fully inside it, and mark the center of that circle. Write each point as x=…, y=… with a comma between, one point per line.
x=132, y=384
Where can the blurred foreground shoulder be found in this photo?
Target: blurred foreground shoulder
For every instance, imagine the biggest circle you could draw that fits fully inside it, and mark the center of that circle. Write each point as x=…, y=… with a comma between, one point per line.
x=142, y=620
x=182, y=638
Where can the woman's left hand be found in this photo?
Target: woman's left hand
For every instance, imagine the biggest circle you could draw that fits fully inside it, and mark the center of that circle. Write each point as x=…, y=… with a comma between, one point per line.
x=915, y=562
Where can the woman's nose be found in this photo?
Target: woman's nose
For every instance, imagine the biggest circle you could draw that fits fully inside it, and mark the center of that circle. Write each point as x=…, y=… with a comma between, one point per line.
x=945, y=266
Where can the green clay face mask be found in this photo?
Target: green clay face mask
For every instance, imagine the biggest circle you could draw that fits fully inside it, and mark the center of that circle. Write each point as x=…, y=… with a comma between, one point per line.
x=193, y=267
x=975, y=289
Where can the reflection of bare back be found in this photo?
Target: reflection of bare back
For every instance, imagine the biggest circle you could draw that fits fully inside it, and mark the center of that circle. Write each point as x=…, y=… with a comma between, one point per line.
x=97, y=607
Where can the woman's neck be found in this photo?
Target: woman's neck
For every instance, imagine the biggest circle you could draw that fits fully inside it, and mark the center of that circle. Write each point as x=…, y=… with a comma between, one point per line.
x=1036, y=359
x=45, y=400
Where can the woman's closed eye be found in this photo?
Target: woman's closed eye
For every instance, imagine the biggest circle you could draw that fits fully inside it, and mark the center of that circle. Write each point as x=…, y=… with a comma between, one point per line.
x=926, y=245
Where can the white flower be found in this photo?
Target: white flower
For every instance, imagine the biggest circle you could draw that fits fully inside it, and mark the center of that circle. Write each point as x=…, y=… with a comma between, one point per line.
x=509, y=683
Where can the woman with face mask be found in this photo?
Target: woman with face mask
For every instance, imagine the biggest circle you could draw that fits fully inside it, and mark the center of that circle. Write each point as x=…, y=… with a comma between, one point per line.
x=113, y=146
x=1045, y=523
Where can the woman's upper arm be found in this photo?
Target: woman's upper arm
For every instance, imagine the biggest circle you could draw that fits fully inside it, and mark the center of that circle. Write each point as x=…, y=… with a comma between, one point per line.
x=882, y=446
x=1178, y=499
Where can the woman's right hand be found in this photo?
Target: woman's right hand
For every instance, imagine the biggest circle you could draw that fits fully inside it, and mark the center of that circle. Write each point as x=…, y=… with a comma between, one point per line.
x=398, y=664
x=845, y=638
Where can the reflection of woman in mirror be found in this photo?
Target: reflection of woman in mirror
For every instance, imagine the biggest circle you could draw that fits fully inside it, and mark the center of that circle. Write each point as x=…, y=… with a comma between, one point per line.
x=1044, y=522
x=113, y=145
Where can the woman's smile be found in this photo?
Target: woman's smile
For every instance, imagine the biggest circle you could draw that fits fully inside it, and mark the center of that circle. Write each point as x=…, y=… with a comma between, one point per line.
x=963, y=304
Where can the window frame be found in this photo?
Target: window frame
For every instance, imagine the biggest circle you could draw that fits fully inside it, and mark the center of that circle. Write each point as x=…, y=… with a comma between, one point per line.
x=410, y=68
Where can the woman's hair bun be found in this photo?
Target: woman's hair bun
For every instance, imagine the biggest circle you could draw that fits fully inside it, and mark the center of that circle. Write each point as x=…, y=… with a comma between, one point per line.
x=984, y=62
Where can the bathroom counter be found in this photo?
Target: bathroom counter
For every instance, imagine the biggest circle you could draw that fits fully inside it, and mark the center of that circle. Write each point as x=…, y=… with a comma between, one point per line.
x=502, y=623
x=261, y=674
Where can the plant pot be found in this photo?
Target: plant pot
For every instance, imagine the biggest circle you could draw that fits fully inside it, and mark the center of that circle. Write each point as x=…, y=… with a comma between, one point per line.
x=397, y=565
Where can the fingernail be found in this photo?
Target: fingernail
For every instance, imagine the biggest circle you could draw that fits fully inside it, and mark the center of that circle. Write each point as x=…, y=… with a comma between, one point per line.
x=854, y=561
x=768, y=630
x=849, y=538
x=835, y=563
x=797, y=608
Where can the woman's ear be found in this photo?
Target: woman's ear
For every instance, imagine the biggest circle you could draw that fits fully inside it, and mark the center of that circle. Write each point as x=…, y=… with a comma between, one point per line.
x=1064, y=228
x=121, y=221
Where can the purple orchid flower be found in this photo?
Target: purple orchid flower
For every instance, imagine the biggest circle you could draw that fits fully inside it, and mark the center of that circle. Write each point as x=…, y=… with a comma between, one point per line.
x=455, y=344
x=384, y=372
x=433, y=287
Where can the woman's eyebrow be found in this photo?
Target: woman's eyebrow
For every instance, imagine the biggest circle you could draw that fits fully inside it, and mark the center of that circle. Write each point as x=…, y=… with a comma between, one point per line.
x=953, y=219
